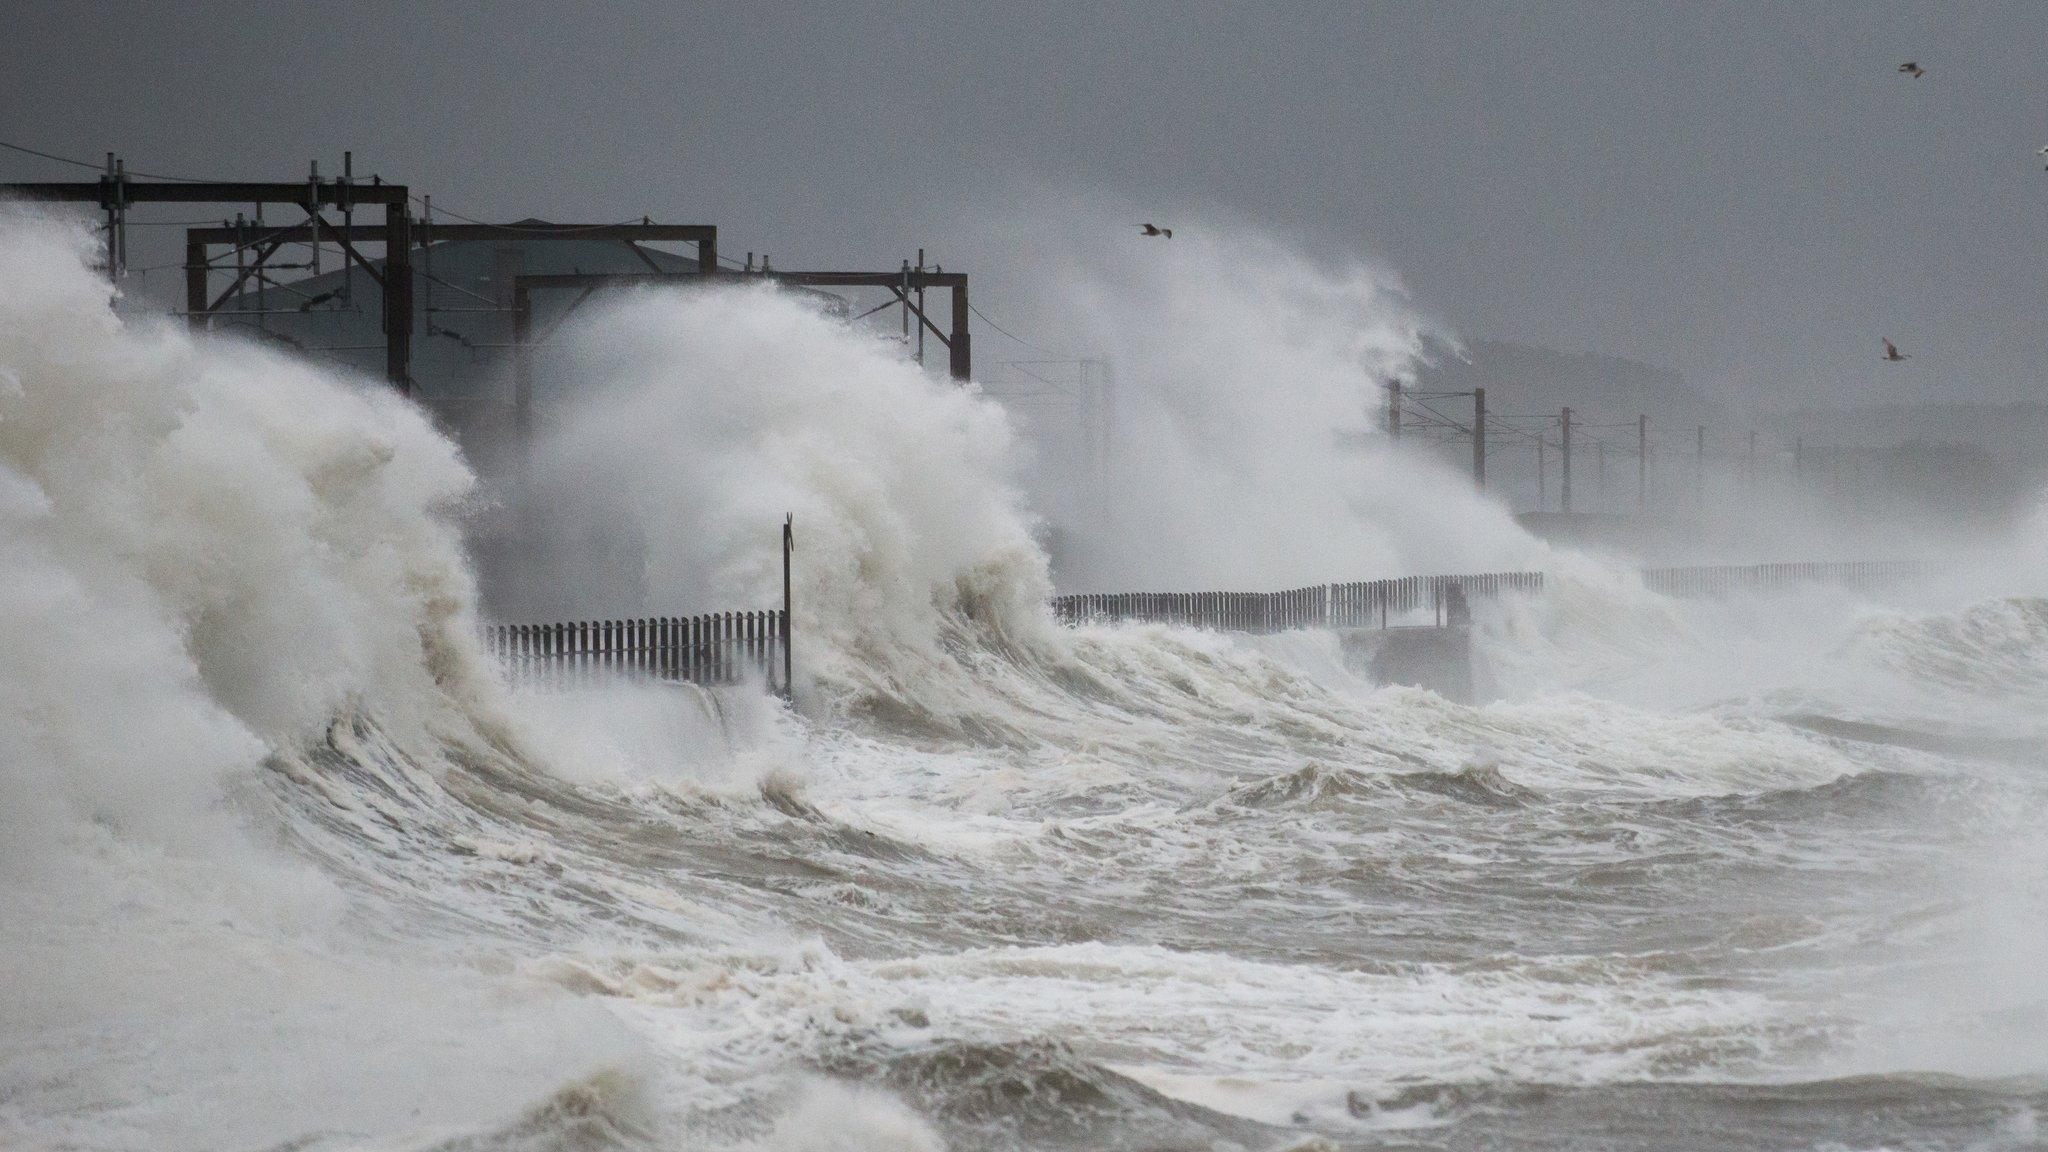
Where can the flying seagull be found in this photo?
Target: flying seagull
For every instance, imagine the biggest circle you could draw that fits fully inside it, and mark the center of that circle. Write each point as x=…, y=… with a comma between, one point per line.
x=2044, y=151
x=1891, y=351
x=1912, y=69
x=1156, y=230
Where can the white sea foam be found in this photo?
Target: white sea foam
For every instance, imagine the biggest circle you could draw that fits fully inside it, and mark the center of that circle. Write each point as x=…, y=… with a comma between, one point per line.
x=707, y=415
x=1245, y=446
x=212, y=553
x=271, y=824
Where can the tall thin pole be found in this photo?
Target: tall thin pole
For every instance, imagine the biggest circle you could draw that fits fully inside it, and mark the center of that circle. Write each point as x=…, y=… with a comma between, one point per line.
x=195, y=284
x=960, y=361
x=1752, y=458
x=1106, y=391
x=522, y=367
x=1699, y=465
x=398, y=295
x=107, y=195
x=1479, y=438
x=113, y=192
x=1542, y=476
x=1642, y=463
x=1565, y=442
x=788, y=620
x=262, y=280
x=121, y=215
x=348, y=220
x=1393, y=409
x=427, y=261
x=313, y=210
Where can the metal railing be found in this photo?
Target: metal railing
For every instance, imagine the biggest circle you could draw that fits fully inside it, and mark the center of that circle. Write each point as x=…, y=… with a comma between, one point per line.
x=1374, y=603
x=1722, y=579
x=714, y=648
x=710, y=648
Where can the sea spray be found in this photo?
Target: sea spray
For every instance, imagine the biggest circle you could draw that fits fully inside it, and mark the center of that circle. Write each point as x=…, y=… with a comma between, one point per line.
x=1092, y=887
x=216, y=557
x=680, y=424
x=1245, y=425
x=234, y=547
x=699, y=418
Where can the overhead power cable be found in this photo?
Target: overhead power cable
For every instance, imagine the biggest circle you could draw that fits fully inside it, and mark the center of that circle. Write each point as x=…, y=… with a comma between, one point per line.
x=101, y=168
x=1465, y=428
x=527, y=230
x=1005, y=331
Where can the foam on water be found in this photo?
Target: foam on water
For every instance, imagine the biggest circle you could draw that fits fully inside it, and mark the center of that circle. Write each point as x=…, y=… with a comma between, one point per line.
x=285, y=865
x=212, y=554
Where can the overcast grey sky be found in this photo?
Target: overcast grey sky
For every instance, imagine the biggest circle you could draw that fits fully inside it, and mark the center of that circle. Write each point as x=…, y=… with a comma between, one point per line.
x=1751, y=195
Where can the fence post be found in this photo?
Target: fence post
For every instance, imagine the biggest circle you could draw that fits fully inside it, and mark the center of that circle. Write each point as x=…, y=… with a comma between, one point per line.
x=788, y=641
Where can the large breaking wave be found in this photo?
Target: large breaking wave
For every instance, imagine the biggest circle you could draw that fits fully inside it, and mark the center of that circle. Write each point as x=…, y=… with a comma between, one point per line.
x=276, y=835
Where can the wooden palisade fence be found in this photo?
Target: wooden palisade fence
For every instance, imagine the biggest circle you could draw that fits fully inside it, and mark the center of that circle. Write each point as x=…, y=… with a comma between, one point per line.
x=710, y=648
x=1372, y=603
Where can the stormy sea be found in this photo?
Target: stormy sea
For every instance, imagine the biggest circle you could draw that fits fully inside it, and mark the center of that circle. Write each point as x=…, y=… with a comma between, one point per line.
x=287, y=862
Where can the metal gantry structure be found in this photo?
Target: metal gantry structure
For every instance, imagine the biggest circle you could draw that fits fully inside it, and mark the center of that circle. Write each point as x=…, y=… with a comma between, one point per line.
x=907, y=286
x=1434, y=419
x=116, y=191
x=247, y=251
x=252, y=246
x=1414, y=415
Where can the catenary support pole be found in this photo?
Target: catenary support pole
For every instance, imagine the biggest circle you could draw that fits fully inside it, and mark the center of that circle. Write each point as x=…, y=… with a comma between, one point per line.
x=960, y=362
x=398, y=295
x=788, y=618
x=195, y=286
x=1642, y=463
x=1699, y=465
x=1479, y=438
x=1564, y=487
x=522, y=366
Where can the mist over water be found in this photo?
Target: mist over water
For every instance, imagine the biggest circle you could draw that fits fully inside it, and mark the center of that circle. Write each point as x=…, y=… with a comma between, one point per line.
x=1242, y=386
x=286, y=866
x=217, y=560
x=693, y=422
